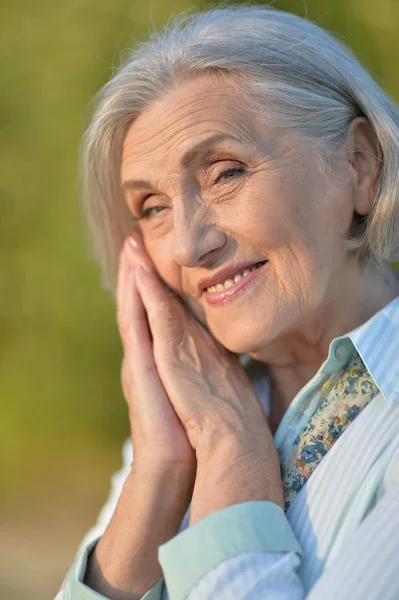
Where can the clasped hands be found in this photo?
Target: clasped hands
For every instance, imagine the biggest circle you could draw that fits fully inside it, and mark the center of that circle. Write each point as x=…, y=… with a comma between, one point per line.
x=191, y=405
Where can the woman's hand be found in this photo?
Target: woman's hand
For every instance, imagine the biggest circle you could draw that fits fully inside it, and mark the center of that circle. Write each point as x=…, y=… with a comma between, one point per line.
x=159, y=439
x=206, y=383
x=158, y=490
x=224, y=419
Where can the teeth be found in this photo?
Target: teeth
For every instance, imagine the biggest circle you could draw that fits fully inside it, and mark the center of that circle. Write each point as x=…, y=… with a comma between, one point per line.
x=219, y=287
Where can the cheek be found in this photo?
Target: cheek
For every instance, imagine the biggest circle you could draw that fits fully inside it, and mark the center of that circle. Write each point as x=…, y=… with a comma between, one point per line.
x=258, y=220
x=161, y=254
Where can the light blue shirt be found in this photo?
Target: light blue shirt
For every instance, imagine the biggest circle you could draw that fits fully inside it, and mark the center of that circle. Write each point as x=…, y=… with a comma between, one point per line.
x=340, y=536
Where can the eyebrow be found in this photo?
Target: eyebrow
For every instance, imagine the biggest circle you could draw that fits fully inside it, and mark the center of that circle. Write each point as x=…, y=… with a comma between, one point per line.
x=198, y=151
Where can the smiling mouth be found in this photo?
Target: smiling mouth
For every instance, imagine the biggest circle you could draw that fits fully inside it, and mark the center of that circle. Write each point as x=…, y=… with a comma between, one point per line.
x=231, y=281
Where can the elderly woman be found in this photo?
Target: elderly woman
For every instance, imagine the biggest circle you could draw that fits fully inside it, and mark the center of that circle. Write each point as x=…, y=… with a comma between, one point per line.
x=242, y=181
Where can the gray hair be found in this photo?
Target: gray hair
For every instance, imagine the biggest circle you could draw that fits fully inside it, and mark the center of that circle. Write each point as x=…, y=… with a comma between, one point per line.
x=312, y=82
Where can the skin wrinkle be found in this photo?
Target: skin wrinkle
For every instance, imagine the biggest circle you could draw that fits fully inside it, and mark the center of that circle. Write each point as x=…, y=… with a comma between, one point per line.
x=242, y=131
x=281, y=209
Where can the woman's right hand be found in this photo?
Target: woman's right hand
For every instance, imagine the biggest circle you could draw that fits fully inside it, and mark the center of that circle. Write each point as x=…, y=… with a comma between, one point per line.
x=158, y=436
x=158, y=490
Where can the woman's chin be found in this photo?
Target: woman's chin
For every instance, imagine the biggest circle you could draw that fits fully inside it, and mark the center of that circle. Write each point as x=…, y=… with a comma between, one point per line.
x=240, y=340
x=240, y=334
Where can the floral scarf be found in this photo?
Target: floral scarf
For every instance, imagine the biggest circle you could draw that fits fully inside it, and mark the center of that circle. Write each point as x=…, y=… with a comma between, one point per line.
x=344, y=396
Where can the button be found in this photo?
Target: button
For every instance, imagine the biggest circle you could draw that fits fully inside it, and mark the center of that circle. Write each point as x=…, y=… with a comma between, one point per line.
x=341, y=353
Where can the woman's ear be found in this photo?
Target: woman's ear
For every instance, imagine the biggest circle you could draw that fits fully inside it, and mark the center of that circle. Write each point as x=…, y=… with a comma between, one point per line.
x=364, y=155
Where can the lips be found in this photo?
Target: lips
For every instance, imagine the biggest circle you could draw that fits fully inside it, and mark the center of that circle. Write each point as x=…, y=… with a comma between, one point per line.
x=227, y=273
x=218, y=295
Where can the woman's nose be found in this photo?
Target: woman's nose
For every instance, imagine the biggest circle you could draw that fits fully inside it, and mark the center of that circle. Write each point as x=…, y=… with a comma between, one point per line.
x=196, y=238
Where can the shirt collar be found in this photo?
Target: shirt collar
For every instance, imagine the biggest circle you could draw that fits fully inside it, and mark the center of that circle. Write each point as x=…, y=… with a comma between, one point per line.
x=377, y=342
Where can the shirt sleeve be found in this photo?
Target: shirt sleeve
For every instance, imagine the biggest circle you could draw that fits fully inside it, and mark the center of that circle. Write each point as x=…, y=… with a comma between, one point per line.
x=241, y=559
x=217, y=542
x=73, y=587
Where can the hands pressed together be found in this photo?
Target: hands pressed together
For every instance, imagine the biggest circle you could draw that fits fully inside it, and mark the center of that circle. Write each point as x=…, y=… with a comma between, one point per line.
x=192, y=407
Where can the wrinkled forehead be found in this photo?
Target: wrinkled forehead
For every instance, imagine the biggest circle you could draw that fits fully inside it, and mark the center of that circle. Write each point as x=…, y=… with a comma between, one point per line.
x=183, y=118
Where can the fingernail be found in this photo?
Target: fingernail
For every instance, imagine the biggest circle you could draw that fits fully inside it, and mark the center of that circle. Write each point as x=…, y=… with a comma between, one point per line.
x=144, y=267
x=130, y=275
x=133, y=242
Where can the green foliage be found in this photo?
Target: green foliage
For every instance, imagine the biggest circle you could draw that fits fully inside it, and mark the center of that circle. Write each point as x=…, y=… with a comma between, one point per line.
x=60, y=353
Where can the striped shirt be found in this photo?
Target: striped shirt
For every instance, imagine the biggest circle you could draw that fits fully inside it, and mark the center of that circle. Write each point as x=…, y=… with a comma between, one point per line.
x=340, y=536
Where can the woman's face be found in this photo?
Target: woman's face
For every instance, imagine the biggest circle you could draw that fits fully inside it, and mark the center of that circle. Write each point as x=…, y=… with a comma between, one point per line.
x=229, y=203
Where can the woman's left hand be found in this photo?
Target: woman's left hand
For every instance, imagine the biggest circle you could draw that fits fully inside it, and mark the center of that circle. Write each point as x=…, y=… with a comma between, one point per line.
x=211, y=393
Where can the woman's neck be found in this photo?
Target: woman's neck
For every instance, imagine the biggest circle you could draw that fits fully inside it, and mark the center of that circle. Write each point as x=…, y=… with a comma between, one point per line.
x=296, y=356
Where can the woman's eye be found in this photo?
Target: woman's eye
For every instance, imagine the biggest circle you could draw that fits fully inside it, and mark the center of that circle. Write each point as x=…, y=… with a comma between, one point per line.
x=229, y=173
x=147, y=213
x=152, y=211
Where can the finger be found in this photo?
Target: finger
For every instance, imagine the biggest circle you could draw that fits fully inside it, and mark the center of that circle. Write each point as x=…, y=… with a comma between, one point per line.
x=165, y=312
x=133, y=326
x=148, y=401
x=141, y=384
x=138, y=252
x=132, y=253
x=123, y=272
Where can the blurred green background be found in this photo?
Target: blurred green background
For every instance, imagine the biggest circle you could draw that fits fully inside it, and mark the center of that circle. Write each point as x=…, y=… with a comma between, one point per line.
x=63, y=414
